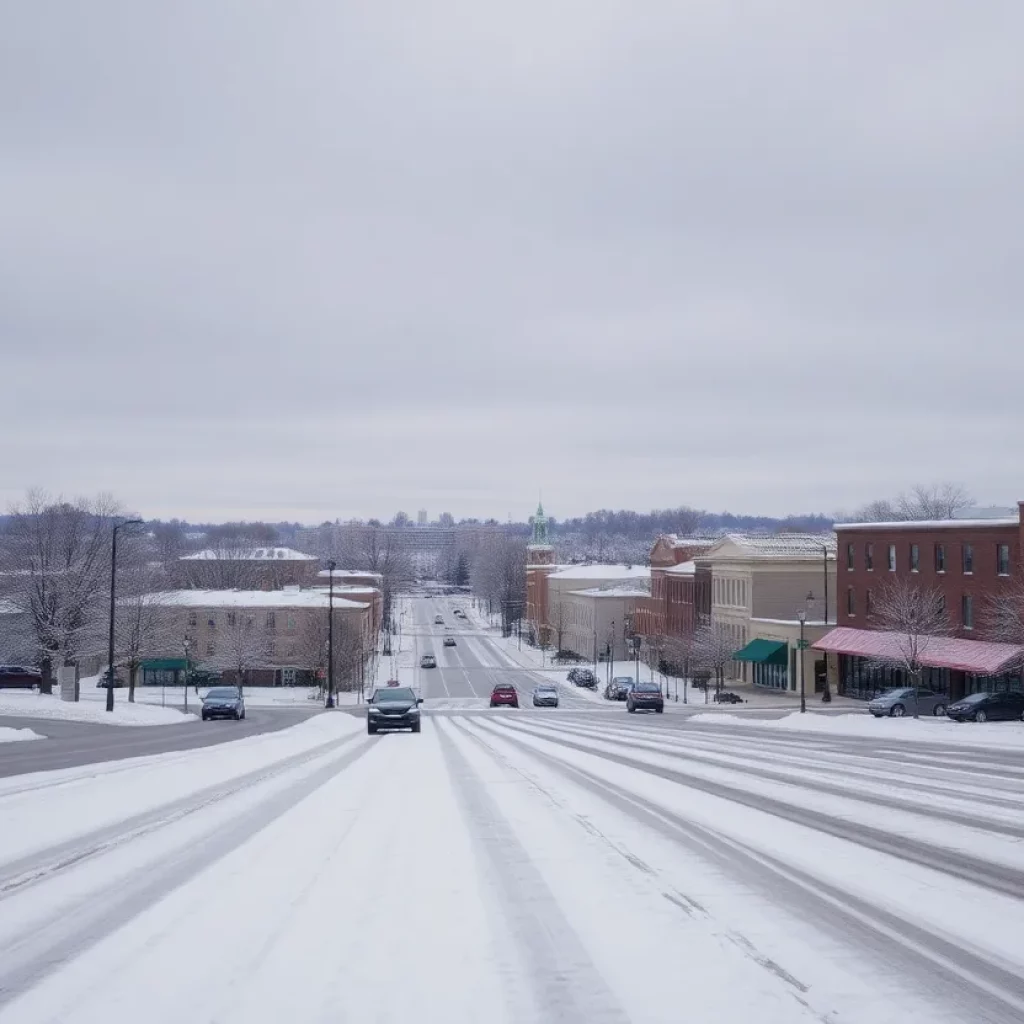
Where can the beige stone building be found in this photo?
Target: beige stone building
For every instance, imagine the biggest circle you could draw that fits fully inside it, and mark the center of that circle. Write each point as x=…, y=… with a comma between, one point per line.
x=755, y=587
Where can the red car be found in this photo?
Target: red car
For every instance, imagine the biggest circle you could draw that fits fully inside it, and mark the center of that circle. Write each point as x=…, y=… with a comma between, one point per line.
x=505, y=695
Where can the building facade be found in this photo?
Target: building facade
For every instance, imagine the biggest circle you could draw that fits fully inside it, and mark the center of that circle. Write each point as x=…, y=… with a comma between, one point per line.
x=266, y=568
x=540, y=564
x=669, y=611
x=969, y=564
x=598, y=621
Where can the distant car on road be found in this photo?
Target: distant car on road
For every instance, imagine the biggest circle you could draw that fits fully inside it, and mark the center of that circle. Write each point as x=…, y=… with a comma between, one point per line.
x=900, y=701
x=988, y=707
x=428, y=661
x=393, y=707
x=645, y=697
x=545, y=696
x=504, y=695
x=459, y=612
x=618, y=688
x=449, y=641
x=223, y=702
x=728, y=697
x=438, y=620
x=19, y=675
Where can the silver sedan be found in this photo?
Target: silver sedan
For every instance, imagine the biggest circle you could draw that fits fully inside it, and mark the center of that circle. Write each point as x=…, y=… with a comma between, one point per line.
x=900, y=702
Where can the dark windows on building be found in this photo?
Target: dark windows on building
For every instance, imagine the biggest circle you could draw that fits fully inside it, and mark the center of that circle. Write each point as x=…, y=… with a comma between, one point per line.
x=869, y=557
x=192, y=619
x=851, y=601
x=967, y=611
x=850, y=557
x=968, y=558
x=940, y=557
x=915, y=558
x=1003, y=559
x=211, y=621
x=892, y=558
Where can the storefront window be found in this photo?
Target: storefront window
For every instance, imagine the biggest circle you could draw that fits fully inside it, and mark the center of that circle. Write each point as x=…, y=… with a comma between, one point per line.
x=773, y=677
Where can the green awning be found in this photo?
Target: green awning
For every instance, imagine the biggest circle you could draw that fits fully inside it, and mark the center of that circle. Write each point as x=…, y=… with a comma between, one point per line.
x=765, y=652
x=165, y=665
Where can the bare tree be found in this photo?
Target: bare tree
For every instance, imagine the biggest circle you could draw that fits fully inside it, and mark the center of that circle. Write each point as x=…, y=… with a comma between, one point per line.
x=55, y=570
x=145, y=626
x=932, y=501
x=559, y=620
x=242, y=645
x=712, y=650
x=227, y=563
x=913, y=614
x=499, y=577
x=1004, y=618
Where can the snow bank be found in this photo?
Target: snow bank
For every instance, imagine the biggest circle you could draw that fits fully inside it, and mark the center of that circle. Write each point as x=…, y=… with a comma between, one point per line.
x=922, y=730
x=41, y=705
x=18, y=735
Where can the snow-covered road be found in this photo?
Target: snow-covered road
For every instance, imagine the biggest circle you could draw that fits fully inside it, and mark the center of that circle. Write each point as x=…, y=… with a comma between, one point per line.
x=515, y=867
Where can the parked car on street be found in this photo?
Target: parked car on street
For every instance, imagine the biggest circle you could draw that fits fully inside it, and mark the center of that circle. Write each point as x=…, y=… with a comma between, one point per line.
x=645, y=697
x=545, y=696
x=728, y=697
x=19, y=675
x=438, y=620
x=504, y=695
x=449, y=641
x=988, y=707
x=223, y=702
x=428, y=661
x=900, y=701
x=393, y=707
x=618, y=688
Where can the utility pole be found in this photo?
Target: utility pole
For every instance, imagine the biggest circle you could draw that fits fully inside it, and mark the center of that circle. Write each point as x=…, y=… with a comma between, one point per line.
x=330, y=637
x=113, y=604
x=802, y=644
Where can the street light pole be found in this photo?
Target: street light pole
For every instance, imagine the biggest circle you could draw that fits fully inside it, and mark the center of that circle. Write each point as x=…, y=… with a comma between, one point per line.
x=802, y=618
x=330, y=637
x=113, y=601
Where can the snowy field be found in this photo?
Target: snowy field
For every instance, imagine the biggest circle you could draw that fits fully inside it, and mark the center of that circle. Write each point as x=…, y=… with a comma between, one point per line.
x=511, y=868
x=91, y=708
x=18, y=735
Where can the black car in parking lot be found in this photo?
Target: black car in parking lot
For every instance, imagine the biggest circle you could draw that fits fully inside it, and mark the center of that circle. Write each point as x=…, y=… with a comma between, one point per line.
x=618, y=688
x=393, y=707
x=223, y=702
x=19, y=675
x=988, y=707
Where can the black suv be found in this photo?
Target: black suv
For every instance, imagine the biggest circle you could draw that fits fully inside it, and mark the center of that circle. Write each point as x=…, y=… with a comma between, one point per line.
x=393, y=707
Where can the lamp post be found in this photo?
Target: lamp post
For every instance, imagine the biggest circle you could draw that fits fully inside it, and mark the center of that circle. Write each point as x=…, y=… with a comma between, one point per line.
x=330, y=636
x=113, y=600
x=186, y=644
x=802, y=618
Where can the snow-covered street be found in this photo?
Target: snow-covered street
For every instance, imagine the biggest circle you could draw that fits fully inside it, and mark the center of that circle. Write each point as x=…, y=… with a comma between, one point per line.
x=517, y=866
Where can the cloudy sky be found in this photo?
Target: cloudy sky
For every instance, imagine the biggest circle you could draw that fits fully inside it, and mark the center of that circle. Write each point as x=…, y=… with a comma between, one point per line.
x=314, y=259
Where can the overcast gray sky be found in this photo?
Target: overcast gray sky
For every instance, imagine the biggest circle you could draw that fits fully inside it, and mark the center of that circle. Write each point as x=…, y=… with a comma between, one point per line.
x=314, y=259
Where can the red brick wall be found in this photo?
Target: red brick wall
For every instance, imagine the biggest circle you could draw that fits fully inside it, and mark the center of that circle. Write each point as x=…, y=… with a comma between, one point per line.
x=982, y=584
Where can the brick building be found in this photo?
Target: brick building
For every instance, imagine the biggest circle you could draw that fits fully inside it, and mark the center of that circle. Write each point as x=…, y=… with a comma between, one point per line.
x=669, y=611
x=255, y=567
x=971, y=563
x=540, y=564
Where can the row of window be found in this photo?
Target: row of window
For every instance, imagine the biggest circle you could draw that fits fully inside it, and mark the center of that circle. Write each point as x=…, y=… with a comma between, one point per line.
x=232, y=620
x=966, y=606
x=939, y=561
x=729, y=591
x=271, y=649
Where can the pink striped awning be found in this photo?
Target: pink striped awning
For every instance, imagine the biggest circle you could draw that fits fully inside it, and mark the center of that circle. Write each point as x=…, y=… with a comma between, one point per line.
x=979, y=657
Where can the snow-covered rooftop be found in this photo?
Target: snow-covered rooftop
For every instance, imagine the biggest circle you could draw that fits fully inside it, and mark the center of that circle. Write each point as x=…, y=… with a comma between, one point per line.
x=682, y=569
x=253, y=554
x=289, y=598
x=699, y=543
x=780, y=545
x=933, y=524
x=603, y=572
x=620, y=591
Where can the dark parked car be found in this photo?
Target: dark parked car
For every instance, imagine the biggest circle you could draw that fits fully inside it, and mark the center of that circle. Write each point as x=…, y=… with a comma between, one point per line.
x=504, y=695
x=223, y=702
x=428, y=661
x=900, y=701
x=618, y=688
x=545, y=696
x=438, y=620
x=727, y=697
x=988, y=707
x=449, y=641
x=393, y=707
x=19, y=675
x=645, y=697
x=583, y=677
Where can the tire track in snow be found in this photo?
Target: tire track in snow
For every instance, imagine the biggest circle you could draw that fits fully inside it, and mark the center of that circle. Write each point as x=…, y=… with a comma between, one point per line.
x=69, y=930
x=566, y=986
x=981, y=988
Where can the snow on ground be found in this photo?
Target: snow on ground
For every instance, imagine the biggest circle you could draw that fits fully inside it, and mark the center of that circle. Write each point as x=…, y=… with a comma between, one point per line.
x=91, y=708
x=18, y=735
x=922, y=730
x=255, y=696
